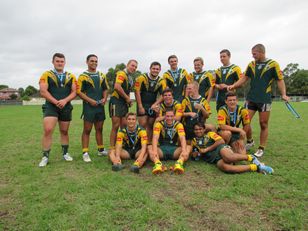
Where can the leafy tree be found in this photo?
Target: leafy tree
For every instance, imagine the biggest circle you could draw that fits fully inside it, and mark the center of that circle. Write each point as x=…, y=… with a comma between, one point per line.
x=13, y=96
x=30, y=90
x=21, y=91
x=2, y=86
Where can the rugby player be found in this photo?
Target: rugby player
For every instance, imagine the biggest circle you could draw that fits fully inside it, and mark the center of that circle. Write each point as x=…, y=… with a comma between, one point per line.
x=92, y=89
x=176, y=78
x=169, y=143
x=148, y=90
x=205, y=79
x=230, y=117
x=131, y=144
x=262, y=72
x=58, y=87
x=211, y=148
x=226, y=75
x=120, y=99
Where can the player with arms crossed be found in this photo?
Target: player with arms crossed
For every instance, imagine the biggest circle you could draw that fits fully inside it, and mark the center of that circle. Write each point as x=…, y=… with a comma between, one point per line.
x=58, y=87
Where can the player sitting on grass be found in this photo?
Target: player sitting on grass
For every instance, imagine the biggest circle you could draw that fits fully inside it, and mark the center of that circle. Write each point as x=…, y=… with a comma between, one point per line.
x=131, y=144
x=168, y=143
x=211, y=148
x=230, y=117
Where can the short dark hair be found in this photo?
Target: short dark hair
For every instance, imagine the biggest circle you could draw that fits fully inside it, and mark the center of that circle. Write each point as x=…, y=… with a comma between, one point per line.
x=58, y=55
x=90, y=56
x=167, y=90
x=230, y=94
x=226, y=51
x=260, y=47
x=172, y=57
x=130, y=114
x=132, y=60
x=168, y=109
x=155, y=64
x=200, y=124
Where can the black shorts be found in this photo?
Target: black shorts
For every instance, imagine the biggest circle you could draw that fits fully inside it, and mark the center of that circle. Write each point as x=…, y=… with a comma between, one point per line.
x=260, y=107
x=117, y=107
x=148, y=111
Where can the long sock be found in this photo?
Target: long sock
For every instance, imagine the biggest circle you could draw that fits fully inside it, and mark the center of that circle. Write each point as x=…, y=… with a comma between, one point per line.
x=250, y=140
x=249, y=158
x=253, y=167
x=84, y=150
x=261, y=147
x=46, y=153
x=100, y=148
x=64, y=148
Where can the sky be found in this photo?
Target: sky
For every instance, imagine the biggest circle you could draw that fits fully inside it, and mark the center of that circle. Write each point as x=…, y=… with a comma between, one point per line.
x=146, y=30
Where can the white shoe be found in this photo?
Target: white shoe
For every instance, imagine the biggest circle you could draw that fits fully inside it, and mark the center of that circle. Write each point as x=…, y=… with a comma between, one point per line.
x=259, y=153
x=102, y=153
x=248, y=146
x=86, y=157
x=67, y=157
x=43, y=162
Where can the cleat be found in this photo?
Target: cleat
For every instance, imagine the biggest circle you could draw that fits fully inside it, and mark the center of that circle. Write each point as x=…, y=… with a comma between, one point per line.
x=259, y=153
x=102, y=152
x=134, y=169
x=248, y=146
x=256, y=161
x=86, y=157
x=43, y=162
x=265, y=169
x=117, y=167
x=178, y=168
x=67, y=157
x=158, y=168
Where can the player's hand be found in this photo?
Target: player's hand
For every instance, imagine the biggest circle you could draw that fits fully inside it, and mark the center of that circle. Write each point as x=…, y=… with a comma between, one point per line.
x=129, y=102
x=230, y=87
x=93, y=103
x=242, y=133
x=61, y=103
x=198, y=106
x=103, y=101
x=141, y=110
x=285, y=98
x=155, y=108
x=223, y=86
x=192, y=114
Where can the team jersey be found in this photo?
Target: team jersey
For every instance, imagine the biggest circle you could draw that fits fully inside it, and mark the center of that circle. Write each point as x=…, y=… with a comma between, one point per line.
x=188, y=106
x=126, y=81
x=168, y=135
x=227, y=75
x=206, y=80
x=149, y=88
x=132, y=140
x=176, y=106
x=177, y=81
x=59, y=85
x=92, y=84
x=234, y=119
x=262, y=76
x=205, y=141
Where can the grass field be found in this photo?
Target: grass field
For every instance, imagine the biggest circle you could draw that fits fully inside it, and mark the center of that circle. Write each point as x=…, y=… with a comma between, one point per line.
x=80, y=196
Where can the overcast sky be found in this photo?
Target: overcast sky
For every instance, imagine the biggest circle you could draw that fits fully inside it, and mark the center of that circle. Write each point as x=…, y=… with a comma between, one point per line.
x=146, y=30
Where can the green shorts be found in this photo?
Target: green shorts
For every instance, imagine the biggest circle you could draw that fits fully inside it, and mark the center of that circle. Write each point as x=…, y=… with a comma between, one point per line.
x=234, y=137
x=168, y=151
x=214, y=156
x=117, y=107
x=93, y=114
x=132, y=152
x=64, y=114
x=148, y=111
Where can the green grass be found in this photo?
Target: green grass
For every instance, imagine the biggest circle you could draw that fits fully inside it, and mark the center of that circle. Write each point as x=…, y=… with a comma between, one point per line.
x=80, y=196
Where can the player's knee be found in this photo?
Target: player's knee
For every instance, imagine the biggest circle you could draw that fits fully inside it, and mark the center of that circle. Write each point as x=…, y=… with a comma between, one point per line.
x=86, y=132
x=48, y=131
x=64, y=132
x=264, y=124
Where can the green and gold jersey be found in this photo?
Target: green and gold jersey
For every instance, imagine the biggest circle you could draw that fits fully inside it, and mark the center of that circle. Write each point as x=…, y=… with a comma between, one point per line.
x=206, y=80
x=188, y=105
x=177, y=81
x=132, y=140
x=205, y=141
x=126, y=81
x=234, y=119
x=262, y=76
x=227, y=75
x=149, y=88
x=168, y=135
x=59, y=85
x=176, y=107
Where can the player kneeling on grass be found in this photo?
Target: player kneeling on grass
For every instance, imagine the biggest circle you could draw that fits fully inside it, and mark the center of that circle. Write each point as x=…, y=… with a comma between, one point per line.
x=131, y=143
x=211, y=148
x=230, y=117
x=169, y=135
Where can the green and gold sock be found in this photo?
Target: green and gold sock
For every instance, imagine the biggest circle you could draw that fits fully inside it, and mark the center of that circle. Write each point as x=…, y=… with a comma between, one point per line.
x=64, y=148
x=46, y=153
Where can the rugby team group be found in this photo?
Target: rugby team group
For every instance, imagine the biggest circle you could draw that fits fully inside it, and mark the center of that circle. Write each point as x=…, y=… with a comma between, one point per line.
x=170, y=121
